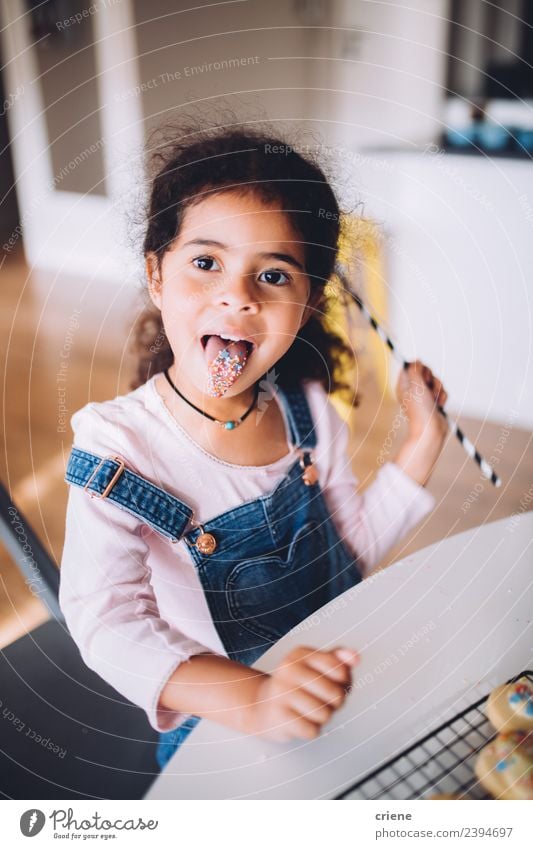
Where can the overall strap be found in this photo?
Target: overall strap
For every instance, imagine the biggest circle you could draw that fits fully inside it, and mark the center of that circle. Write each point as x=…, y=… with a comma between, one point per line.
x=299, y=417
x=108, y=477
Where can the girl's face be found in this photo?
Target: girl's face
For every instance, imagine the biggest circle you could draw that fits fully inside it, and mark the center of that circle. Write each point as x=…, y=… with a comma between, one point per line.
x=237, y=267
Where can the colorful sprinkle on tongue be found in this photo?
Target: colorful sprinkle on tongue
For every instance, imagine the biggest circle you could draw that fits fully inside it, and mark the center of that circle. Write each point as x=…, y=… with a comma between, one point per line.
x=225, y=369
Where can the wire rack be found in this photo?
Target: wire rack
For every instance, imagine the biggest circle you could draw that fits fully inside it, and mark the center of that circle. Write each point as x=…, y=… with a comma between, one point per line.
x=441, y=762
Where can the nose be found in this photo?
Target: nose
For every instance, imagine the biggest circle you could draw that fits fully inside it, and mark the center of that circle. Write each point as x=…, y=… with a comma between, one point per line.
x=238, y=292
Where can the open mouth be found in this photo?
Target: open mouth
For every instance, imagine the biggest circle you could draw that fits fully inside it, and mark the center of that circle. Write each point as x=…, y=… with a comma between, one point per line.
x=226, y=360
x=213, y=345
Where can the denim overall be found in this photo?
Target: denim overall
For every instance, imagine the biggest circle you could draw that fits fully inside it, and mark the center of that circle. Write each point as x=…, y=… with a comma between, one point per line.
x=264, y=566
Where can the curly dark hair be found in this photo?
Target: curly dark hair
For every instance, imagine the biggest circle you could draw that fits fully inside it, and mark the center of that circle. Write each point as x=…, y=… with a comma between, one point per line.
x=200, y=161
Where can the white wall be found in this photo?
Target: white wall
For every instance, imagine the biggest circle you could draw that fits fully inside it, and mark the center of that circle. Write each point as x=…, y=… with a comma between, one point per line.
x=187, y=46
x=389, y=72
x=459, y=236
x=359, y=72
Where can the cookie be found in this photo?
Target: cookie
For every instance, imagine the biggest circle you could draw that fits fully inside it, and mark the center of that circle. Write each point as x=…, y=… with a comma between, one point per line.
x=505, y=766
x=510, y=707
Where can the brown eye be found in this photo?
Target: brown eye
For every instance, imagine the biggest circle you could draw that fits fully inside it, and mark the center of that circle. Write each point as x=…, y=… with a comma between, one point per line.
x=274, y=276
x=206, y=263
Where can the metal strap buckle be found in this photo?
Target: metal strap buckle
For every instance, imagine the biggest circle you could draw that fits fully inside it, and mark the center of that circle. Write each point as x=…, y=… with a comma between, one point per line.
x=112, y=482
x=193, y=525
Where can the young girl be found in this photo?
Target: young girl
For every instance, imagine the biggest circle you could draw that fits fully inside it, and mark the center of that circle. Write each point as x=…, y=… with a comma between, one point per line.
x=213, y=508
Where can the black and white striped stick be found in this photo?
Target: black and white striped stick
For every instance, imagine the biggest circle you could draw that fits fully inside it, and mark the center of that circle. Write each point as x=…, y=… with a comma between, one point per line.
x=468, y=446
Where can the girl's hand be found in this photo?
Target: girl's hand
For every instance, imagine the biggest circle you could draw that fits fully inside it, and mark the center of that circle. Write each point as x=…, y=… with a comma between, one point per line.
x=419, y=392
x=301, y=694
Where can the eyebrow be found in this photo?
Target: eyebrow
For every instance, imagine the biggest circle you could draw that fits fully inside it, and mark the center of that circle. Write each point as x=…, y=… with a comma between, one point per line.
x=281, y=257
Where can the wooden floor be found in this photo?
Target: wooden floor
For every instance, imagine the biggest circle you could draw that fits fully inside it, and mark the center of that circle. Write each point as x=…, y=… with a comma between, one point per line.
x=64, y=342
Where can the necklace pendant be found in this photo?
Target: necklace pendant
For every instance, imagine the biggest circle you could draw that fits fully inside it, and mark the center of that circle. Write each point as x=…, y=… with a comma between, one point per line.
x=231, y=425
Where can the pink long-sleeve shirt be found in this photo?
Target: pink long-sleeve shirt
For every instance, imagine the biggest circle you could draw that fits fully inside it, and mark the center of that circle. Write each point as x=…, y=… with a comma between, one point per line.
x=132, y=599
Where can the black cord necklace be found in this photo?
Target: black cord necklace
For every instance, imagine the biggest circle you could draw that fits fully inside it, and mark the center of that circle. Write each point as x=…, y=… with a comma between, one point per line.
x=229, y=425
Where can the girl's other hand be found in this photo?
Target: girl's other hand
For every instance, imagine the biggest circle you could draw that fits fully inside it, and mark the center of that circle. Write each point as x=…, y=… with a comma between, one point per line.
x=302, y=693
x=419, y=392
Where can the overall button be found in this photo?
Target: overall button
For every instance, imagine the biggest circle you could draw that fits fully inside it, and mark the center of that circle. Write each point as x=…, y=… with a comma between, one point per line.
x=310, y=475
x=206, y=543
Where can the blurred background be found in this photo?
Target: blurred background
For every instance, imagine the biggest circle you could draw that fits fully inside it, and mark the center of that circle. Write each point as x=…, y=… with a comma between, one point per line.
x=424, y=111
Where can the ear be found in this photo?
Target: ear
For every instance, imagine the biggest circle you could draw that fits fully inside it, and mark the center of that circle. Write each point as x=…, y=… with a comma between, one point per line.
x=312, y=301
x=154, y=279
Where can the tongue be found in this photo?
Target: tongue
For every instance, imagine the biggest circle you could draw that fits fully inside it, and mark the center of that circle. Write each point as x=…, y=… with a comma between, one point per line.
x=226, y=363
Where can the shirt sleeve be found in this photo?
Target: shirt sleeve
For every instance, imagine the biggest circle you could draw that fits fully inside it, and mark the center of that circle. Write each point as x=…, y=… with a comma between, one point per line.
x=110, y=607
x=370, y=522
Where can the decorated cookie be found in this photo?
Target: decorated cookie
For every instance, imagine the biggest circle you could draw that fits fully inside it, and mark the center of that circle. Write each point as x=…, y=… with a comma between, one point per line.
x=510, y=707
x=505, y=766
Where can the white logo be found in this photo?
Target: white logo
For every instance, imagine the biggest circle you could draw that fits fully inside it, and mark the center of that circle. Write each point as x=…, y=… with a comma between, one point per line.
x=267, y=387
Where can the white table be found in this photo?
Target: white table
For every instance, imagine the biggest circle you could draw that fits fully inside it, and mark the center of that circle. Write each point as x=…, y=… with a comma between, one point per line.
x=436, y=632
